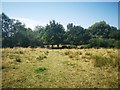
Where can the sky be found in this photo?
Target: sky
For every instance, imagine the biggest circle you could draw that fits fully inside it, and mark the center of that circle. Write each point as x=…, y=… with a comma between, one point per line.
x=84, y=14
x=59, y=0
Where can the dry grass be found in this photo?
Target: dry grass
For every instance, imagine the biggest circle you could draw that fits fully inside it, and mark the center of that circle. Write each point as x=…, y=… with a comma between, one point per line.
x=68, y=68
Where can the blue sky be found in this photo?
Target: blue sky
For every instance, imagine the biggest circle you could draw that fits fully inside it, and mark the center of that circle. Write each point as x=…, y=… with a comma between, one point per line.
x=82, y=13
x=59, y=0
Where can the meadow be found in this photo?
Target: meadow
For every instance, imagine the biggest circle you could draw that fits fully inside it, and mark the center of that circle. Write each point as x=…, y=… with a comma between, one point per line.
x=60, y=68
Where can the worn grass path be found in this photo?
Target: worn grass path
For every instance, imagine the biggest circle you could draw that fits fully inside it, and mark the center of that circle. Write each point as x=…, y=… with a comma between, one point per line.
x=61, y=71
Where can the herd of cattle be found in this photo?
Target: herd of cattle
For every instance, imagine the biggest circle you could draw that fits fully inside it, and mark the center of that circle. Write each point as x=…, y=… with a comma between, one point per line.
x=58, y=47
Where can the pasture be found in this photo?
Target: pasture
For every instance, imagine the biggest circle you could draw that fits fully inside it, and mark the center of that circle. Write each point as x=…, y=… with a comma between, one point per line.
x=59, y=68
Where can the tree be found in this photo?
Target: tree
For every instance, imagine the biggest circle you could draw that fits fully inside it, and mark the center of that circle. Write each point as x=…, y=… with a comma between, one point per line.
x=14, y=33
x=70, y=26
x=8, y=31
x=114, y=33
x=76, y=35
x=39, y=32
x=100, y=34
x=100, y=29
x=54, y=33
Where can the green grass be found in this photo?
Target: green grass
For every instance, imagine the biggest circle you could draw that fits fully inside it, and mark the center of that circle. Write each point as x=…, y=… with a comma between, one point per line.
x=41, y=69
x=65, y=68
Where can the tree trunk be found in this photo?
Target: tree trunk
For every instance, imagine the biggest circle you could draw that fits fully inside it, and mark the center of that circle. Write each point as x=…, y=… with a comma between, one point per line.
x=52, y=45
x=76, y=45
x=57, y=45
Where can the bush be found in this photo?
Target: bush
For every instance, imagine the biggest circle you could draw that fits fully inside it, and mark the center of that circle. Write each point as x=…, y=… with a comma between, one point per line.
x=102, y=42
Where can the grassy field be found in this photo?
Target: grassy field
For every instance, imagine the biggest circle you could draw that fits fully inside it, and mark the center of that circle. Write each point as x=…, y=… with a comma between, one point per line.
x=55, y=68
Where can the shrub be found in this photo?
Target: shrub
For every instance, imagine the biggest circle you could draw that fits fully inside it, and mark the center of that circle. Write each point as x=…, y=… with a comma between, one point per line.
x=102, y=42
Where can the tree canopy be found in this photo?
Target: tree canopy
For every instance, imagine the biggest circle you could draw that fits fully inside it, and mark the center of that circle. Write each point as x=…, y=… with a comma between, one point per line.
x=100, y=34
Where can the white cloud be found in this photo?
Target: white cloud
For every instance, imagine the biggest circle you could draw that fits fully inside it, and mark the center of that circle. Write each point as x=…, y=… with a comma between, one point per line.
x=29, y=22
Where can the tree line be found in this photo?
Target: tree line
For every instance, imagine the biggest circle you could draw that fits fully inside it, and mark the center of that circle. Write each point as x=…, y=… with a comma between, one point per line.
x=100, y=34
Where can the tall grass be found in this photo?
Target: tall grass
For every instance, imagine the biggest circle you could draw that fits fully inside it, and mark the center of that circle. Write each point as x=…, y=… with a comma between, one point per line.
x=70, y=68
x=101, y=60
x=100, y=57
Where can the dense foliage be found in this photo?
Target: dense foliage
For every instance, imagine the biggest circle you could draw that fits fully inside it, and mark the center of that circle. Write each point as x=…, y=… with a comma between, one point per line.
x=100, y=34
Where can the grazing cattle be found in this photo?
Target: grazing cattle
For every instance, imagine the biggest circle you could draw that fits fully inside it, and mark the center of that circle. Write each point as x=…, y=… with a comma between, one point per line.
x=63, y=47
x=29, y=46
x=32, y=46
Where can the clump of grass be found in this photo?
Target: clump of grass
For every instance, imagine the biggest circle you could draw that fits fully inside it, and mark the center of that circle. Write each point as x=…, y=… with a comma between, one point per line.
x=80, y=53
x=116, y=61
x=87, y=53
x=108, y=51
x=41, y=57
x=3, y=67
x=18, y=52
x=67, y=52
x=83, y=56
x=45, y=56
x=40, y=69
x=100, y=61
x=65, y=62
x=77, y=52
x=14, y=67
x=11, y=56
x=18, y=59
x=21, y=52
x=46, y=53
x=70, y=63
x=73, y=54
